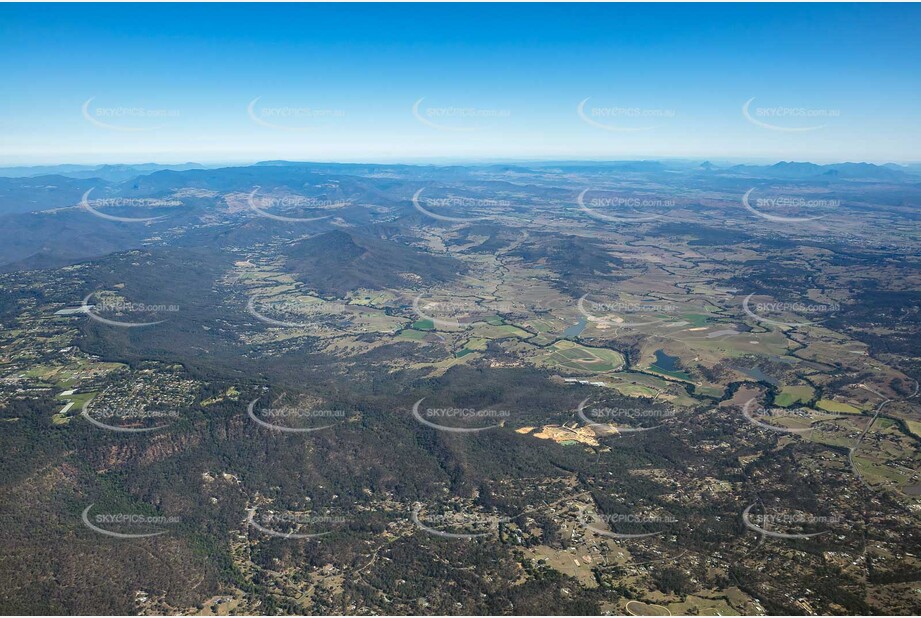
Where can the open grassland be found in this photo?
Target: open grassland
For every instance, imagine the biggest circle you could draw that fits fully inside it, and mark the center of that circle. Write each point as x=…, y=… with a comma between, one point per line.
x=572, y=357
x=790, y=395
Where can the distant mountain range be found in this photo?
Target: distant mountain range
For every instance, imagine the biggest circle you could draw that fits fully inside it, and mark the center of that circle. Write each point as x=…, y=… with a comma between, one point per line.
x=42, y=223
x=112, y=173
x=797, y=170
x=783, y=169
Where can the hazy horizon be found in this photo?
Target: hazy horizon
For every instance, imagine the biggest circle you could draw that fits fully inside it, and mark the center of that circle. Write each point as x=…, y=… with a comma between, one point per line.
x=460, y=309
x=437, y=161
x=420, y=83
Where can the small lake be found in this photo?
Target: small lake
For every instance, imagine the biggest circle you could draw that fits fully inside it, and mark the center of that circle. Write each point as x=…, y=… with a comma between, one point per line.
x=666, y=362
x=576, y=329
x=668, y=365
x=759, y=375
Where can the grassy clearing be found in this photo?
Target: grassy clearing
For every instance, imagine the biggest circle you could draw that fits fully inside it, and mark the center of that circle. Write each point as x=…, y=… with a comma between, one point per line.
x=578, y=358
x=78, y=400
x=710, y=391
x=790, y=395
x=681, y=375
x=830, y=405
x=638, y=608
x=914, y=428
x=501, y=332
x=477, y=344
x=412, y=335
x=696, y=319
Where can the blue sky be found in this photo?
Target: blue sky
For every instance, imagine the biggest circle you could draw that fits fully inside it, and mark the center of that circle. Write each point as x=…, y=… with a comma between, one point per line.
x=222, y=83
